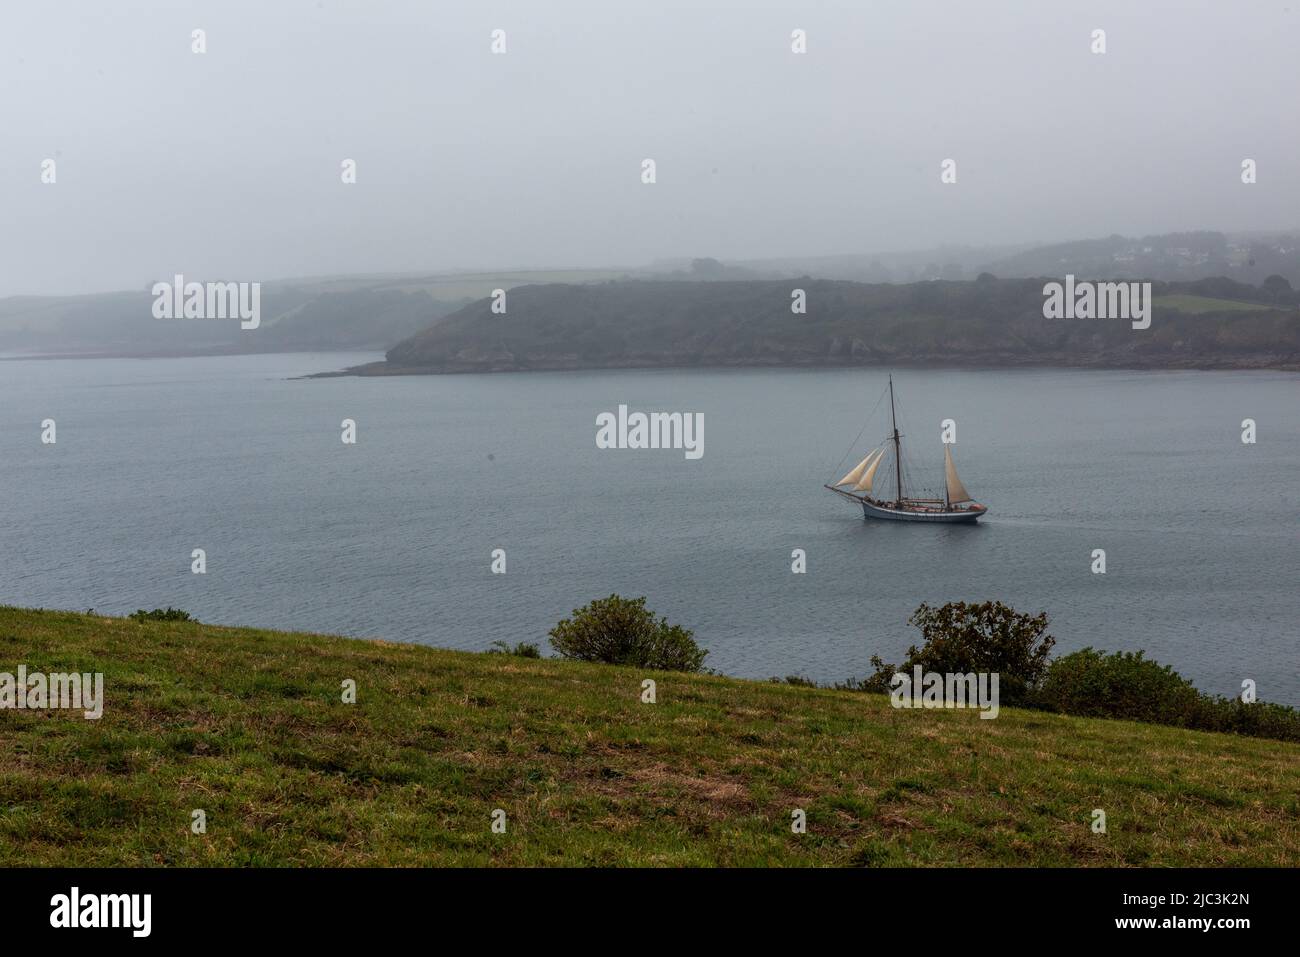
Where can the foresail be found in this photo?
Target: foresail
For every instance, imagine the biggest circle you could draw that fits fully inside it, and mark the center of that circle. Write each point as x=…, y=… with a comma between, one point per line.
x=956, y=491
x=865, y=484
x=853, y=477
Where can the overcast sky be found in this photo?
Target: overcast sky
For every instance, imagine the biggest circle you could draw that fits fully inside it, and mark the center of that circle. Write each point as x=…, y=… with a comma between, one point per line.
x=226, y=165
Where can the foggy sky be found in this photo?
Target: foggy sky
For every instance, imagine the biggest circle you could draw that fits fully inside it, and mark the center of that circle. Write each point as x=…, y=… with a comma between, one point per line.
x=226, y=165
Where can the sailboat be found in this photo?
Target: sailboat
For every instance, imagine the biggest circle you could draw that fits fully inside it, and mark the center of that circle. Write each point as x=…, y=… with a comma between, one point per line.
x=859, y=486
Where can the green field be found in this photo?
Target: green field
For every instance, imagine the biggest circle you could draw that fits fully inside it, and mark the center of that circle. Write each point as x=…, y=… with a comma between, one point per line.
x=249, y=726
x=1194, y=305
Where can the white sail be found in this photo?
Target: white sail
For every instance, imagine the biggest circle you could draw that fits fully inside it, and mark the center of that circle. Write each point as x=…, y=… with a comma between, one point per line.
x=865, y=484
x=852, y=477
x=956, y=491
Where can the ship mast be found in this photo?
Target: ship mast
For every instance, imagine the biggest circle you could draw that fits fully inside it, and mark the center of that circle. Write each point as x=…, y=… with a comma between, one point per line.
x=898, y=455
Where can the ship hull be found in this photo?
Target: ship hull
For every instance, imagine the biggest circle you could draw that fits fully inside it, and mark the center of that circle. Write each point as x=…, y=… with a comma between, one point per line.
x=914, y=510
x=949, y=516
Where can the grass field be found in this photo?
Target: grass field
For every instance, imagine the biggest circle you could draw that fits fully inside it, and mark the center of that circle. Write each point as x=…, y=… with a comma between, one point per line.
x=249, y=726
x=1193, y=305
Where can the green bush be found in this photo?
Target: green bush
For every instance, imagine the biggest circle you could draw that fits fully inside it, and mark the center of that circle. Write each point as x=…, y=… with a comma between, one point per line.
x=621, y=631
x=1127, y=684
x=963, y=638
x=991, y=637
x=162, y=614
x=1259, y=719
x=524, y=649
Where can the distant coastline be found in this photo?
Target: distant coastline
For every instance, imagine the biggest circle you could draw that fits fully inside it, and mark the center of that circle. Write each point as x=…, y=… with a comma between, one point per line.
x=985, y=323
x=1262, y=364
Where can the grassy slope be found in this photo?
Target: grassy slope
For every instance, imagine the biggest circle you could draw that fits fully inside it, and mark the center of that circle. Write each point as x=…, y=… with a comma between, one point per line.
x=249, y=726
x=1195, y=305
x=643, y=324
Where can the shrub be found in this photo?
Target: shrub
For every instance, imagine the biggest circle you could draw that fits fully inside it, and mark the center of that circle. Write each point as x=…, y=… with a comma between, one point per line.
x=1125, y=684
x=162, y=614
x=990, y=637
x=1259, y=719
x=963, y=638
x=1129, y=685
x=524, y=649
x=621, y=631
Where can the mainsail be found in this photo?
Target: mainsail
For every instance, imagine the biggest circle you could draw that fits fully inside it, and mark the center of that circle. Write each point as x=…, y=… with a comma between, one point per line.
x=956, y=491
x=856, y=475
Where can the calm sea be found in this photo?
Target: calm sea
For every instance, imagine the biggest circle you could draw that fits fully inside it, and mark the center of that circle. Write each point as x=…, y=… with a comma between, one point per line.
x=393, y=536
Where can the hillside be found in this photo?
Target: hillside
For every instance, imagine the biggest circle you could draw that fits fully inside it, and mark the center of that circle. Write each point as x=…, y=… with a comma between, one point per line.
x=1172, y=257
x=339, y=313
x=294, y=318
x=989, y=321
x=1169, y=257
x=248, y=726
